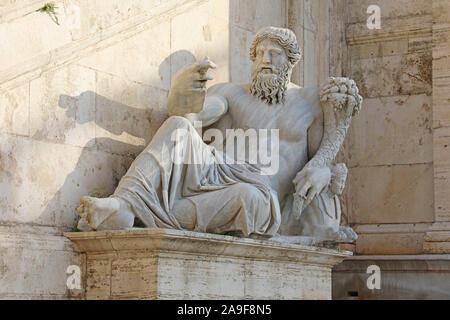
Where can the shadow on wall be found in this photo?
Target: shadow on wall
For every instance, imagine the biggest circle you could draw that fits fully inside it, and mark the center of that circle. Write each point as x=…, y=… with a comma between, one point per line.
x=112, y=119
x=122, y=132
x=174, y=62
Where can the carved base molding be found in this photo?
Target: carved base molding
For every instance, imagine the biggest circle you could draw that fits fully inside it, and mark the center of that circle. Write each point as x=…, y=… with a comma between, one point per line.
x=172, y=264
x=403, y=239
x=422, y=276
x=437, y=242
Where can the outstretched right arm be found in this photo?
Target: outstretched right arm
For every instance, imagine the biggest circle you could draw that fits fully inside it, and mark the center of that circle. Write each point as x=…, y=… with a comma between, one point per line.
x=187, y=95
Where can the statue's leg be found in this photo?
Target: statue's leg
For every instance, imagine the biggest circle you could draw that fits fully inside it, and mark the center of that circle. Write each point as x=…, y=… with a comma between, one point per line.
x=104, y=214
x=238, y=207
x=122, y=219
x=144, y=175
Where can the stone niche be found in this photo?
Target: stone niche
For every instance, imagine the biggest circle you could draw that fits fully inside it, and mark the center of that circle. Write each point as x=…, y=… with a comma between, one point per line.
x=173, y=264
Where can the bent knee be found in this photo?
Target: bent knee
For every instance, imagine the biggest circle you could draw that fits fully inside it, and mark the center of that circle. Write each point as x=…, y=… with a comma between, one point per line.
x=177, y=122
x=247, y=192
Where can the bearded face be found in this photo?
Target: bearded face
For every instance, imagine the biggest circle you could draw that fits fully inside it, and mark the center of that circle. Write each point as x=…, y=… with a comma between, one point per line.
x=271, y=72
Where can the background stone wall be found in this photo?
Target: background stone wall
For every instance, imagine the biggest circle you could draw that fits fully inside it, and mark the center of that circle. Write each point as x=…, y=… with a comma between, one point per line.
x=390, y=144
x=397, y=193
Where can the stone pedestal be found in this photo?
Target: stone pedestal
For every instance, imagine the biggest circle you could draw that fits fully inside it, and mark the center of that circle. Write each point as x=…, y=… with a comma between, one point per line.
x=172, y=264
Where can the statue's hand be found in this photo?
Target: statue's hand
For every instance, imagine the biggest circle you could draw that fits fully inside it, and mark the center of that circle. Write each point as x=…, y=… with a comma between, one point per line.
x=342, y=94
x=194, y=77
x=188, y=90
x=310, y=181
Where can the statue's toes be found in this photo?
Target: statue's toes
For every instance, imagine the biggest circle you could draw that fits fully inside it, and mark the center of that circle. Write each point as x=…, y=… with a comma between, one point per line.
x=353, y=234
x=83, y=211
x=350, y=234
x=84, y=226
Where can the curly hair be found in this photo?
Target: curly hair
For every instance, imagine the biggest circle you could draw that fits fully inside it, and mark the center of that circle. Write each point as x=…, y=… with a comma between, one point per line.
x=284, y=37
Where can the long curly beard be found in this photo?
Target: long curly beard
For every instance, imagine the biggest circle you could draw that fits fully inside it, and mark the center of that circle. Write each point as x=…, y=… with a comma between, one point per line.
x=271, y=88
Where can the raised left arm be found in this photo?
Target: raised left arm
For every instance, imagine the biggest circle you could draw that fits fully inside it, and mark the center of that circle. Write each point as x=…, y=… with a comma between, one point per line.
x=340, y=102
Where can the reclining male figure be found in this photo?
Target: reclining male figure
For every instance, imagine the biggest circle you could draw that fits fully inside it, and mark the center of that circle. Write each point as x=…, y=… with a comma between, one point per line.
x=168, y=187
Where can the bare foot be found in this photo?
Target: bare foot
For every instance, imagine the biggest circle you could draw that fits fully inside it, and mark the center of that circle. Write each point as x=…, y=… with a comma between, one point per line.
x=346, y=234
x=83, y=226
x=96, y=210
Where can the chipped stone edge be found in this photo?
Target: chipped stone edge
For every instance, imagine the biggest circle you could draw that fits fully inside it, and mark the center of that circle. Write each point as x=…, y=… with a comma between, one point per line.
x=188, y=242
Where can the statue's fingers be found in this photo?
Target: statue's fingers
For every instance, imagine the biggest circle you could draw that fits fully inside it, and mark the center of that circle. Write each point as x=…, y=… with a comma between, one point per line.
x=298, y=177
x=199, y=83
x=352, y=106
x=208, y=76
x=204, y=65
x=352, y=91
x=203, y=89
x=202, y=76
x=331, y=80
x=351, y=101
x=326, y=86
x=331, y=89
x=311, y=194
x=304, y=189
x=82, y=211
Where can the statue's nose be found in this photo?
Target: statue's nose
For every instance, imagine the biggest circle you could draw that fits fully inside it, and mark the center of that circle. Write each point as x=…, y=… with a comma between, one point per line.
x=266, y=58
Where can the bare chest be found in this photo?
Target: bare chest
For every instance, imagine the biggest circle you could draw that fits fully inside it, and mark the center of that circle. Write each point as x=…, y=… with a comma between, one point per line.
x=292, y=119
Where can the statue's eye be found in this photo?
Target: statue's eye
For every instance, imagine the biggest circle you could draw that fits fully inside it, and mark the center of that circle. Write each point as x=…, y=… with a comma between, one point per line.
x=275, y=52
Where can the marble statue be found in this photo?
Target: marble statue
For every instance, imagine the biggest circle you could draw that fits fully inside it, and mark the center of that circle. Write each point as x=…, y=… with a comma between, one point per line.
x=180, y=181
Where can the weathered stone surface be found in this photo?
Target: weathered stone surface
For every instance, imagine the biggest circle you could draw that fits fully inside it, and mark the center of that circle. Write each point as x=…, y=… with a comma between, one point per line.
x=98, y=15
x=311, y=59
x=240, y=64
x=15, y=110
x=172, y=264
x=379, y=49
x=246, y=18
x=33, y=265
x=33, y=34
x=391, y=29
x=357, y=9
x=390, y=243
x=97, y=276
x=392, y=130
x=208, y=36
x=140, y=58
x=402, y=277
x=252, y=15
x=60, y=108
x=441, y=143
x=390, y=146
x=441, y=118
x=396, y=75
x=441, y=192
x=127, y=114
x=390, y=194
x=441, y=107
x=437, y=242
x=441, y=11
x=31, y=192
